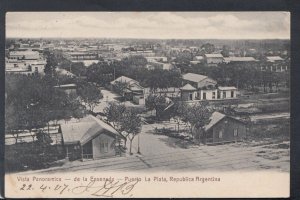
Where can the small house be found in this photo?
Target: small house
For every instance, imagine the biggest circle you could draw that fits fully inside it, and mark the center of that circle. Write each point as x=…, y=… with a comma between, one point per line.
x=222, y=129
x=129, y=88
x=89, y=138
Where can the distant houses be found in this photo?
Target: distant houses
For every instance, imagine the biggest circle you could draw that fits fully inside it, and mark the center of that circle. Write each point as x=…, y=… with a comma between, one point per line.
x=200, y=87
x=129, y=88
x=25, y=62
x=213, y=59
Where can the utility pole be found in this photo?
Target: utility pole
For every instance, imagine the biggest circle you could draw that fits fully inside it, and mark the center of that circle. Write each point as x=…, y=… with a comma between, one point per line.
x=138, y=151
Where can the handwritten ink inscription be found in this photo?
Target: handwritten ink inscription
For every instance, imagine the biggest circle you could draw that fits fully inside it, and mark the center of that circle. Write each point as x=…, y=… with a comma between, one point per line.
x=109, y=188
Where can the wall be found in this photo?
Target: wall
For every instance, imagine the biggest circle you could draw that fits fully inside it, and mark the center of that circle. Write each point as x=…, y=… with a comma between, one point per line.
x=208, y=94
x=228, y=94
x=185, y=95
x=96, y=146
x=228, y=129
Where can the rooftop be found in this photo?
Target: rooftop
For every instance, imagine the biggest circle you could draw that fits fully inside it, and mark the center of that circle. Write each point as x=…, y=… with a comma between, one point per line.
x=193, y=77
x=86, y=129
x=188, y=87
x=23, y=53
x=124, y=79
x=72, y=85
x=214, y=55
x=274, y=58
x=239, y=59
x=214, y=119
x=227, y=88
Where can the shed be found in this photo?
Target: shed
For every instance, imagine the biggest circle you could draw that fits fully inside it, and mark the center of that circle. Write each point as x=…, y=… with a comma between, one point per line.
x=223, y=128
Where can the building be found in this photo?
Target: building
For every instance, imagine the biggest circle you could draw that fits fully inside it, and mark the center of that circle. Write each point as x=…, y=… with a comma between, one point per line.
x=90, y=138
x=188, y=93
x=82, y=55
x=67, y=88
x=156, y=58
x=275, y=64
x=24, y=55
x=222, y=129
x=213, y=59
x=160, y=65
x=200, y=87
x=25, y=62
x=239, y=59
x=273, y=59
x=130, y=89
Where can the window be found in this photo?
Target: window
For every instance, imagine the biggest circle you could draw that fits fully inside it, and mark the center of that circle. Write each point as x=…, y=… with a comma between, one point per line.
x=191, y=96
x=219, y=95
x=235, y=132
x=104, y=146
x=220, y=134
x=232, y=94
x=224, y=95
x=214, y=95
x=204, y=95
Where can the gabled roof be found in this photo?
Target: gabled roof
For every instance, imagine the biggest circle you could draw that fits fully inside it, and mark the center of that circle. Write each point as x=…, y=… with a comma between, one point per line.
x=86, y=129
x=194, y=77
x=214, y=119
x=124, y=79
x=217, y=117
x=214, y=55
x=188, y=87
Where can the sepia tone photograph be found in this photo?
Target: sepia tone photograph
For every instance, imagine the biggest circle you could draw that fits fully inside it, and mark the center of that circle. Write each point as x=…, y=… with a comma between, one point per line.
x=146, y=92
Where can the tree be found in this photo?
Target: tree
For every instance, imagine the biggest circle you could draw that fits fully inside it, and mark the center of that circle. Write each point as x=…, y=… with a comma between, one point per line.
x=130, y=124
x=78, y=69
x=207, y=48
x=196, y=116
x=156, y=102
x=89, y=95
x=114, y=113
x=225, y=51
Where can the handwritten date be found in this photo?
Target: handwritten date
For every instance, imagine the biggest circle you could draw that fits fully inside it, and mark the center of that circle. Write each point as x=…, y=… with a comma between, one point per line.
x=109, y=188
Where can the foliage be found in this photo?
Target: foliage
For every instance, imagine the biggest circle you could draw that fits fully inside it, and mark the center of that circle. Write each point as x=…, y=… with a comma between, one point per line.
x=195, y=116
x=114, y=113
x=78, y=69
x=89, y=95
x=130, y=123
x=32, y=101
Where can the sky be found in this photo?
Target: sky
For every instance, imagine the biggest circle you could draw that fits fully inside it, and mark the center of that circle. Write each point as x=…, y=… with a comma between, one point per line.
x=150, y=25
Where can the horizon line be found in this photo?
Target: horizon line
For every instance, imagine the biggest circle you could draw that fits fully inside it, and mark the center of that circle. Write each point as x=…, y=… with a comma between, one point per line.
x=79, y=37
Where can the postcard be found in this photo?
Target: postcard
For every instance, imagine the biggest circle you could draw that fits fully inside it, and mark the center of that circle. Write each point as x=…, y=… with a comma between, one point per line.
x=147, y=104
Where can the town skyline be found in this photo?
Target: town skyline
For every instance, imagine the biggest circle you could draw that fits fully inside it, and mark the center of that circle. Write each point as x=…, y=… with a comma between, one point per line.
x=149, y=25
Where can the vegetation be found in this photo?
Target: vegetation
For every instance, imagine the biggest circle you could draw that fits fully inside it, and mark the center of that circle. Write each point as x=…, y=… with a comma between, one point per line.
x=127, y=121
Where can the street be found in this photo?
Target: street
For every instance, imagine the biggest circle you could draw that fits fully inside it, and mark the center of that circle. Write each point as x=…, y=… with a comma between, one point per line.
x=162, y=153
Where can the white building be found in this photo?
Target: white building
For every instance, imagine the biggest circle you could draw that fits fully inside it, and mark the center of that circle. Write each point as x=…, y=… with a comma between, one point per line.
x=200, y=87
